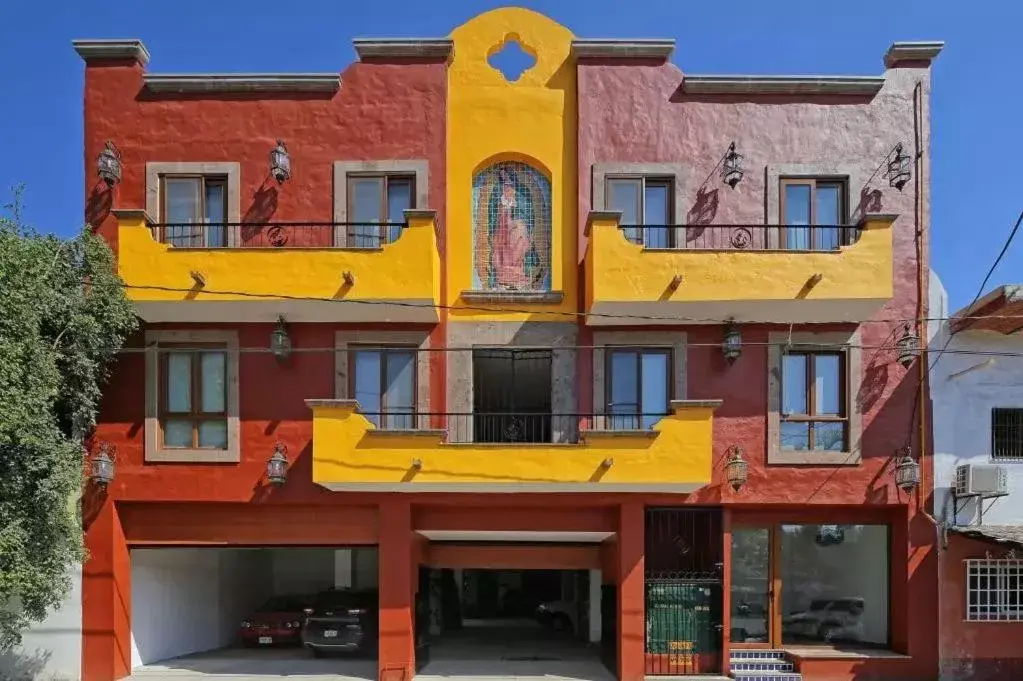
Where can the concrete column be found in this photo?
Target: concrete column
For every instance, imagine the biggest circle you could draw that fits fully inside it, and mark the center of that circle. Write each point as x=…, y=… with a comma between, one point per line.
x=631, y=606
x=106, y=594
x=343, y=569
x=397, y=652
x=594, y=601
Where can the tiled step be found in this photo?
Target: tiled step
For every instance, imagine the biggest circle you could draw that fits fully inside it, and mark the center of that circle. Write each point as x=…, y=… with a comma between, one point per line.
x=767, y=676
x=762, y=665
x=757, y=655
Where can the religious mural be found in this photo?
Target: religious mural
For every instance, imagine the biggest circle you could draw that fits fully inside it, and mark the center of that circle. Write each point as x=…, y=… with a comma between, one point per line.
x=511, y=208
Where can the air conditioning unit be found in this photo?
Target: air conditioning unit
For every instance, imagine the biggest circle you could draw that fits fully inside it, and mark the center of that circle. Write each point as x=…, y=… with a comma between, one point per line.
x=981, y=480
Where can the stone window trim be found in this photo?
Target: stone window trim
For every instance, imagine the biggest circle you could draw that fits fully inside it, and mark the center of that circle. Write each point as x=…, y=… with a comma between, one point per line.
x=419, y=168
x=854, y=177
x=155, y=170
x=677, y=171
x=347, y=340
x=154, y=451
x=854, y=375
x=603, y=340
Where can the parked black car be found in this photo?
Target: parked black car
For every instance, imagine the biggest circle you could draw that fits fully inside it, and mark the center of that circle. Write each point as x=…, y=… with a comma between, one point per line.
x=343, y=621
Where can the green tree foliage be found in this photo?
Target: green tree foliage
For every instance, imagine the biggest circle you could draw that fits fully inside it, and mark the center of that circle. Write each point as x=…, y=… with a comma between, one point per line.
x=63, y=318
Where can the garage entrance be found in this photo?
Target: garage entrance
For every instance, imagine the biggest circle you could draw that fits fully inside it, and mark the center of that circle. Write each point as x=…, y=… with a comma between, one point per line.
x=241, y=610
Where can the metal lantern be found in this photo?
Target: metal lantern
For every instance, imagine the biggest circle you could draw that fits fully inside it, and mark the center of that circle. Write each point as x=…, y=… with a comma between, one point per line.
x=277, y=465
x=108, y=164
x=731, y=168
x=280, y=163
x=898, y=168
x=102, y=472
x=736, y=468
x=907, y=471
x=280, y=341
x=909, y=347
x=732, y=345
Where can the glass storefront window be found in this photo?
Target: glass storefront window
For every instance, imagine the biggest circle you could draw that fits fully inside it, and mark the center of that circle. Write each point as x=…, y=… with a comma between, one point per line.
x=835, y=583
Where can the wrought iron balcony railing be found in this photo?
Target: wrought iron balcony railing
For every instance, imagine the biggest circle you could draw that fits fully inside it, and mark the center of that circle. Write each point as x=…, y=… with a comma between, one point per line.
x=511, y=427
x=278, y=234
x=743, y=237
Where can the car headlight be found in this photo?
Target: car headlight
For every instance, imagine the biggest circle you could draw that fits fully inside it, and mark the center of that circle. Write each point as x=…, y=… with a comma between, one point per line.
x=296, y=624
x=246, y=624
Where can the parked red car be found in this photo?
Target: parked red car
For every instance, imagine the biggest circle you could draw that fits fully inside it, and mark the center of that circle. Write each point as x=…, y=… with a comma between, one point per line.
x=277, y=622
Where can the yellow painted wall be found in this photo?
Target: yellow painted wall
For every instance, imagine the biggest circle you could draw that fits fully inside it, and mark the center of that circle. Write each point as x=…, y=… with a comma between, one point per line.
x=407, y=269
x=345, y=451
x=621, y=271
x=531, y=120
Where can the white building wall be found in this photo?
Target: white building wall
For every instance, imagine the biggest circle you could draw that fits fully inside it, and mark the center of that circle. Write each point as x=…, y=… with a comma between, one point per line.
x=52, y=649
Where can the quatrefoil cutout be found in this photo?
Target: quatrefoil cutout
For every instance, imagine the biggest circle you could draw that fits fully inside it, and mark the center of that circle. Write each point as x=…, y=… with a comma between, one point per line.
x=511, y=60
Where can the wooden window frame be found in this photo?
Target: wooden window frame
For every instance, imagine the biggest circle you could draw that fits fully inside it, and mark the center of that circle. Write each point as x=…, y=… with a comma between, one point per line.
x=354, y=348
x=204, y=181
x=196, y=416
x=386, y=178
x=813, y=182
x=810, y=394
x=644, y=179
x=639, y=350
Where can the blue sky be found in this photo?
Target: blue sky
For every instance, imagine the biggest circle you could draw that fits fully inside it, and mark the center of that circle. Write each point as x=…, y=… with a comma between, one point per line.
x=977, y=138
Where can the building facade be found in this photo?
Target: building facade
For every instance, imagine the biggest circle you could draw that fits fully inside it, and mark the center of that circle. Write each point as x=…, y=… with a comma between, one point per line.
x=977, y=430
x=543, y=321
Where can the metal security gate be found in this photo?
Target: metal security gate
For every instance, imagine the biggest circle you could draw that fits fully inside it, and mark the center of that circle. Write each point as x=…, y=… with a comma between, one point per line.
x=683, y=582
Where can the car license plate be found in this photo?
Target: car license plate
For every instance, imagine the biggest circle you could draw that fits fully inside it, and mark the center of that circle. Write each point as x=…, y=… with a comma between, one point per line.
x=263, y=640
x=330, y=633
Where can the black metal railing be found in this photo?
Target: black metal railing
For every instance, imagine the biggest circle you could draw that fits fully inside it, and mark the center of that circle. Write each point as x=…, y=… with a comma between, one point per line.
x=278, y=234
x=743, y=237
x=510, y=427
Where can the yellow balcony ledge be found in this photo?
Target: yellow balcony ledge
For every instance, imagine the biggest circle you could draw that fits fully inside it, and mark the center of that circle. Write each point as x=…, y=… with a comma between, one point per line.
x=397, y=282
x=626, y=282
x=351, y=454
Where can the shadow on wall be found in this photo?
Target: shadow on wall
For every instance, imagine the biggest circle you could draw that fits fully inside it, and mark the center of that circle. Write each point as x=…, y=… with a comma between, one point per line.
x=20, y=665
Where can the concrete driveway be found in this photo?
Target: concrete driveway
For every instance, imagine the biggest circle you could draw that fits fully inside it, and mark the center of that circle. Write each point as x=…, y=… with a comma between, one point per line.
x=236, y=664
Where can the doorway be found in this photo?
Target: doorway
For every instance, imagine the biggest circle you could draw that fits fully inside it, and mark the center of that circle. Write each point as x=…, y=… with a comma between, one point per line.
x=511, y=395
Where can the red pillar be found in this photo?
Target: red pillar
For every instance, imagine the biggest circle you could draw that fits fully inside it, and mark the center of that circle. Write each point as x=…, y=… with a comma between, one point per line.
x=397, y=658
x=631, y=596
x=106, y=597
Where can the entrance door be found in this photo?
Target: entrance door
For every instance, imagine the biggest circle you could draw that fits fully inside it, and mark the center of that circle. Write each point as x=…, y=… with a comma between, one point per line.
x=755, y=616
x=511, y=395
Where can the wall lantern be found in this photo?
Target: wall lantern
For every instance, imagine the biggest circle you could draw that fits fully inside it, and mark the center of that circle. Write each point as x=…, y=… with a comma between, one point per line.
x=736, y=468
x=907, y=471
x=731, y=347
x=909, y=347
x=280, y=341
x=731, y=168
x=898, y=168
x=280, y=163
x=102, y=470
x=277, y=465
x=108, y=164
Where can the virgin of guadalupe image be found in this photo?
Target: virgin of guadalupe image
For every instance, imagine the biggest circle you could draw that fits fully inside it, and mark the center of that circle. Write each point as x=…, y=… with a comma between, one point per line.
x=511, y=229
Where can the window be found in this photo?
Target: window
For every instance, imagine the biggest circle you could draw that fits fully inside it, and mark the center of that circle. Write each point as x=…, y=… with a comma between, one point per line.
x=646, y=207
x=193, y=398
x=994, y=590
x=812, y=212
x=638, y=387
x=377, y=199
x=813, y=401
x=1007, y=434
x=384, y=384
x=195, y=211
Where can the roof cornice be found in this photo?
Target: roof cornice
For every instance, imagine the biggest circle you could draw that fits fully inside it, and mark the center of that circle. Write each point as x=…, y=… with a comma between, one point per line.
x=920, y=50
x=132, y=48
x=242, y=82
x=609, y=48
x=787, y=85
x=403, y=48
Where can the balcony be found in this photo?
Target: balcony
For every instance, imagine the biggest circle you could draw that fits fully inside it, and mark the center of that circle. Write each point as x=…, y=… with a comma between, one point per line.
x=302, y=271
x=686, y=274
x=512, y=452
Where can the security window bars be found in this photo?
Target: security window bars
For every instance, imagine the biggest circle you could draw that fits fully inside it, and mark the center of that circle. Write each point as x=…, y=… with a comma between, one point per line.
x=994, y=590
x=812, y=212
x=193, y=391
x=638, y=388
x=814, y=413
x=194, y=210
x=376, y=208
x=383, y=381
x=1007, y=434
x=646, y=207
